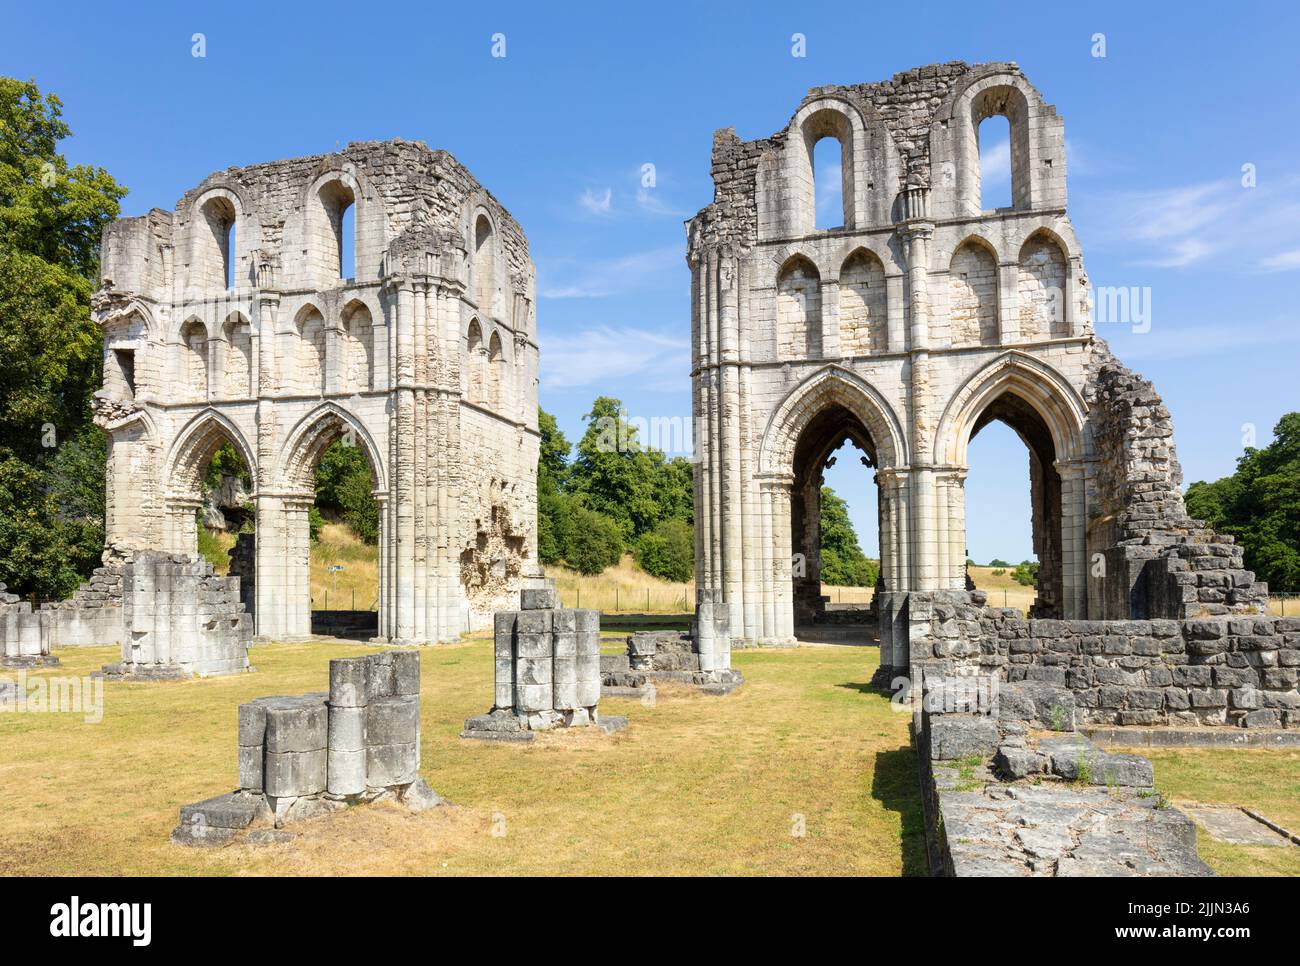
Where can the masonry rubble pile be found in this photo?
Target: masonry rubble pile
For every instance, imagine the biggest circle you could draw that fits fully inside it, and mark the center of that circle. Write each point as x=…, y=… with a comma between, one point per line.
x=182, y=620
x=1010, y=789
x=311, y=754
x=658, y=656
x=547, y=669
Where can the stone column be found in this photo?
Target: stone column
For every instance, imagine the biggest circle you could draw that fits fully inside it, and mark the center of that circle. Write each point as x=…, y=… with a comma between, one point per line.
x=924, y=549
x=1074, y=549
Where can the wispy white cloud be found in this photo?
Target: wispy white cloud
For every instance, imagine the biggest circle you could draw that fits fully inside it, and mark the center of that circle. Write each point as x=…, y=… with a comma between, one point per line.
x=650, y=201
x=995, y=163
x=1220, y=340
x=1283, y=261
x=598, y=278
x=604, y=354
x=596, y=202
x=1236, y=227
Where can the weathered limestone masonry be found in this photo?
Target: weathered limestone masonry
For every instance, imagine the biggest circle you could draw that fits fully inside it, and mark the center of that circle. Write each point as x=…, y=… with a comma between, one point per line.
x=1217, y=670
x=547, y=670
x=309, y=755
x=907, y=330
x=232, y=319
x=1010, y=789
x=181, y=620
x=21, y=641
x=657, y=656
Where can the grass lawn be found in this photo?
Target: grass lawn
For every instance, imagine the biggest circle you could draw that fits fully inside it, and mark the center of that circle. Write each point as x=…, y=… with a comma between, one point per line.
x=696, y=785
x=1266, y=781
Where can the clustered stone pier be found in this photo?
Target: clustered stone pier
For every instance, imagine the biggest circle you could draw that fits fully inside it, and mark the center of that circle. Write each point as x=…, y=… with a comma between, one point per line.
x=311, y=754
x=547, y=669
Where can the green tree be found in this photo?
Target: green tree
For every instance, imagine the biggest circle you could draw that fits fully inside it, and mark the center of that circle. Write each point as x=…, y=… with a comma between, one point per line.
x=613, y=473
x=595, y=541
x=52, y=215
x=843, y=562
x=668, y=551
x=1026, y=573
x=1259, y=504
x=345, y=487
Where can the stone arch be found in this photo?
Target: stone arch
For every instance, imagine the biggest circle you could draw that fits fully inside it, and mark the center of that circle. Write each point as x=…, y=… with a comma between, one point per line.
x=973, y=294
x=474, y=362
x=309, y=350
x=1042, y=285
x=799, y=309
x=221, y=234
x=1037, y=142
x=864, y=302
x=832, y=386
x=315, y=433
x=357, y=365
x=313, y=228
x=1046, y=391
x=237, y=344
x=484, y=261
x=194, y=358
x=194, y=448
x=496, y=366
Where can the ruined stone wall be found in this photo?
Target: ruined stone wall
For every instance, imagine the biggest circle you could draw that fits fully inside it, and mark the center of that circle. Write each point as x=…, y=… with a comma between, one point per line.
x=229, y=320
x=1225, y=670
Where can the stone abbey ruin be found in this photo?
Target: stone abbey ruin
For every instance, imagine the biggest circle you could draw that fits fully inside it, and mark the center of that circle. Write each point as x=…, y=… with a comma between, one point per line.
x=926, y=316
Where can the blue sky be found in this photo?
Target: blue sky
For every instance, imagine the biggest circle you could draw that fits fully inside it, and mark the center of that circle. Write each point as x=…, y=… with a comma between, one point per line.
x=1158, y=131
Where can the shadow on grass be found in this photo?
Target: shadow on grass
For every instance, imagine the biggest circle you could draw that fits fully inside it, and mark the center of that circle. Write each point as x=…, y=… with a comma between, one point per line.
x=631, y=623
x=896, y=785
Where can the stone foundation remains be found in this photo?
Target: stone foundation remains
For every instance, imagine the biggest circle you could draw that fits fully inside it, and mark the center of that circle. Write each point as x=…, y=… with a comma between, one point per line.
x=312, y=754
x=547, y=670
x=1010, y=789
x=21, y=642
x=181, y=620
x=657, y=656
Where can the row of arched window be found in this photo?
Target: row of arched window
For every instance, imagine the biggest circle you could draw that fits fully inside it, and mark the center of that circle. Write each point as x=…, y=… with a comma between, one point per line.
x=973, y=300
x=484, y=368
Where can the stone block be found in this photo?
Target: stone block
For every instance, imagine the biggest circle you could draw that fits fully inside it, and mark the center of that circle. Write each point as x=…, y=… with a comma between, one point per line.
x=539, y=598
x=530, y=646
x=252, y=724
x=349, y=681
x=956, y=736
x=406, y=673
x=295, y=773
x=296, y=728
x=346, y=771
x=250, y=767
x=534, y=670
x=533, y=622
x=392, y=720
x=396, y=764
x=347, y=728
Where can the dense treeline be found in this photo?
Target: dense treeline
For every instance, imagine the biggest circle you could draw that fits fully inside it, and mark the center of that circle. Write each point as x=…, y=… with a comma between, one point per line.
x=1259, y=504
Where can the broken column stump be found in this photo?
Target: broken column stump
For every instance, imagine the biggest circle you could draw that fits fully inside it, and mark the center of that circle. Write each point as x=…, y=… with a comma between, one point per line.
x=547, y=670
x=312, y=754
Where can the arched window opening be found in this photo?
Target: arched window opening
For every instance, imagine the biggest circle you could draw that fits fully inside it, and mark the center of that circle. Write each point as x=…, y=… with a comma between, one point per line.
x=474, y=362
x=358, y=344
x=495, y=373
x=863, y=305
x=333, y=236
x=973, y=296
x=310, y=353
x=835, y=517
x=194, y=355
x=994, y=137
x=226, y=512
x=828, y=183
x=214, y=259
x=484, y=266
x=1041, y=281
x=1017, y=555
x=799, y=310
x=239, y=357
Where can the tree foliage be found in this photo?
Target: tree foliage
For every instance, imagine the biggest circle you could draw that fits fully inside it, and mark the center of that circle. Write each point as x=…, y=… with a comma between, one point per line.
x=52, y=215
x=843, y=562
x=1259, y=504
x=345, y=488
x=668, y=551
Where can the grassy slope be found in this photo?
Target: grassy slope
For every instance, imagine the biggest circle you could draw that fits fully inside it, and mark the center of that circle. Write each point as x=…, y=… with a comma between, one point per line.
x=697, y=785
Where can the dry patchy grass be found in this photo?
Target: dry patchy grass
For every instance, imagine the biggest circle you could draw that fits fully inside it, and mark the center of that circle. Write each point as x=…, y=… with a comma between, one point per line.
x=696, y=785
x=1265, y=780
